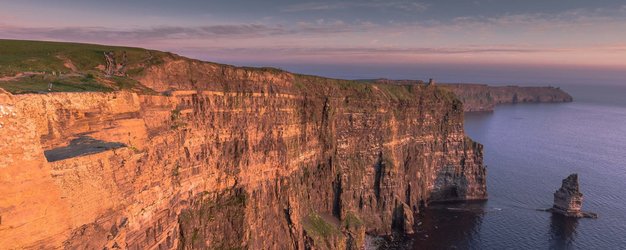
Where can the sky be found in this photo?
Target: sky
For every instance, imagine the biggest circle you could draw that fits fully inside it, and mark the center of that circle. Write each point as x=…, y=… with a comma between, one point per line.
x=489, y=41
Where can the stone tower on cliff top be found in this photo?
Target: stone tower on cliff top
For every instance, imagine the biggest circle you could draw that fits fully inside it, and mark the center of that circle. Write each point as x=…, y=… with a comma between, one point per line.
x=431, y=82
x=568, y=199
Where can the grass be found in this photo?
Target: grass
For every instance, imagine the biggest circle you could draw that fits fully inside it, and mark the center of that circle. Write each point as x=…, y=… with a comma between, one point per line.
x=264, y=69
x=39, y=84
x=309, y=82
x=357, y=88
x=315, y=224
x=38, y=56
x=76, y=83
x=352, y=221
x=397, y=92
x=17, y=56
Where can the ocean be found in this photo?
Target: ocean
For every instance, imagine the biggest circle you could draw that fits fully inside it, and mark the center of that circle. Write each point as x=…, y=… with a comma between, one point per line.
x=529, y=149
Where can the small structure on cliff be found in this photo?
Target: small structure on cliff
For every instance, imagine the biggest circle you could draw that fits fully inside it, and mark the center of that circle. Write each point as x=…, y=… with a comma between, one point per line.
x=431, y=82
x=568, y=199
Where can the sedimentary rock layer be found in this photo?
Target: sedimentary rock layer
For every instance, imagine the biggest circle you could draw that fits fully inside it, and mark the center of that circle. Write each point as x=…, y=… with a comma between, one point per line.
x=568, y=200
x=481, y=97
x=229, y=158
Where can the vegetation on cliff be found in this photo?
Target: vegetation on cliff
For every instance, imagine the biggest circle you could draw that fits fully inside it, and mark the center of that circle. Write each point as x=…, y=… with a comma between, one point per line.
x=41, y=67
x=29, y=66
x=481, y=97
x=229, y=157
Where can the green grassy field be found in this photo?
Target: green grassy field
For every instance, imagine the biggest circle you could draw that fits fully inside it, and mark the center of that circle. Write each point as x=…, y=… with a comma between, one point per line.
x=53, y=59
x=77, y=67
x=39, y=84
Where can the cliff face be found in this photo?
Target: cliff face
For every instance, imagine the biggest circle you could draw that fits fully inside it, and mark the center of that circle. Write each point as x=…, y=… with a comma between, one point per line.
x=229, y=158
x=480, y=97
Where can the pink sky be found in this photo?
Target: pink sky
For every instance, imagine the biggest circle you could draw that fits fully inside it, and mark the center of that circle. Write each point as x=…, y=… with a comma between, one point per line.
x=311, y=33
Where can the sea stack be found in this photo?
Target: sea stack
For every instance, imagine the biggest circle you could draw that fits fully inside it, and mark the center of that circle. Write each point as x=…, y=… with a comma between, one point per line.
x=568, y=199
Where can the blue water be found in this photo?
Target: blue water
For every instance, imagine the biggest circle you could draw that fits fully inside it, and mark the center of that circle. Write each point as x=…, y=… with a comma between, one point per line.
x=529, y=149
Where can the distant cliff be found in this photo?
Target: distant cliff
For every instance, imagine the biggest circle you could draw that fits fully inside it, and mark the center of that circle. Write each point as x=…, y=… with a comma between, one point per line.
x=481, y=97
x=157, y=151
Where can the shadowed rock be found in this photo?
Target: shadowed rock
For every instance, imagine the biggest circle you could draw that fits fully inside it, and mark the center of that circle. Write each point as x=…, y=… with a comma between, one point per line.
x=83, y=145
x=403, y=220
x=568, y=199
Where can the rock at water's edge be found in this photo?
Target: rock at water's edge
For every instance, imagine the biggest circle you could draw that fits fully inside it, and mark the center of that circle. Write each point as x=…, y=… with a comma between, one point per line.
x=568, y=199
x=403, y=220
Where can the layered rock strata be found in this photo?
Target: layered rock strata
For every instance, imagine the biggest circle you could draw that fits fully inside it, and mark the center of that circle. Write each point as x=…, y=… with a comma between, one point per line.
x=568, y=200
x=229, y=158
x=481, y=97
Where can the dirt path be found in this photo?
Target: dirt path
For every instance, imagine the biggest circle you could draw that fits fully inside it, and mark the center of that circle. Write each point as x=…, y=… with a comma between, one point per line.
x=68, y=63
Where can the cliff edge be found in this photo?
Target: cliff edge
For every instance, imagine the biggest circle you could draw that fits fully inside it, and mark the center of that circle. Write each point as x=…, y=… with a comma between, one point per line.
x=481, y=97
x=203, y=155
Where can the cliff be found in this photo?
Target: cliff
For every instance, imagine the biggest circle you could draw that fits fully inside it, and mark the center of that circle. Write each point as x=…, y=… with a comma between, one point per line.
x=481, y=97
x=228, y=158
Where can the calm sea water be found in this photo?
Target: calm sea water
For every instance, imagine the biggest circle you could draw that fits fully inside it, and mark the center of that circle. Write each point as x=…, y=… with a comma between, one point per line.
x=529, y=149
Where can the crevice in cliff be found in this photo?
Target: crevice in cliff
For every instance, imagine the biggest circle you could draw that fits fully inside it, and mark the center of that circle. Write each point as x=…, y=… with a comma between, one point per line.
x=379, y=170
x=337, y=190
x=326, y=128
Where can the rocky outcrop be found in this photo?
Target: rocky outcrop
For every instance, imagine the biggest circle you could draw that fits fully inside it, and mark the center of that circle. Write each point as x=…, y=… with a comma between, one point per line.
x=229, y=158
x=115, y=67
x=568, y=199
x=480, y=97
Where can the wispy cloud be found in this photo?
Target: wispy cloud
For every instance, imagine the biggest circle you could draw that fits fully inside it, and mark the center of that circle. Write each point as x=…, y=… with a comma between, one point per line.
x=161, y=32
x=470, y=55
x=391, y=4
x=375, y=52
x=572, y=17
x=380, y=51
x=530, y=36
x=210, y=32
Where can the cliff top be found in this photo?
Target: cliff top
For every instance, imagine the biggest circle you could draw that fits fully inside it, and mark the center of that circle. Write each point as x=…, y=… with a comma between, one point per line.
x=29, y=66
x=43, y=66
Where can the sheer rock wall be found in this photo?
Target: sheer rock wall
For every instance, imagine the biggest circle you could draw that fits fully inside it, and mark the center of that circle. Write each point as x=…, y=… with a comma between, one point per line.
x=480, y=97
x=230, y=158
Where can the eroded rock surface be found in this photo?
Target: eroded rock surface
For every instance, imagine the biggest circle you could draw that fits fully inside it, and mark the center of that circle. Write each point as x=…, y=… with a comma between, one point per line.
x=230, y=158
x=568, y=199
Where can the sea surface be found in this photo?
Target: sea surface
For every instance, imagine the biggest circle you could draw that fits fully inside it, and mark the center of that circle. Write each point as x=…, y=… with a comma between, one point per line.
x=529, y=149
